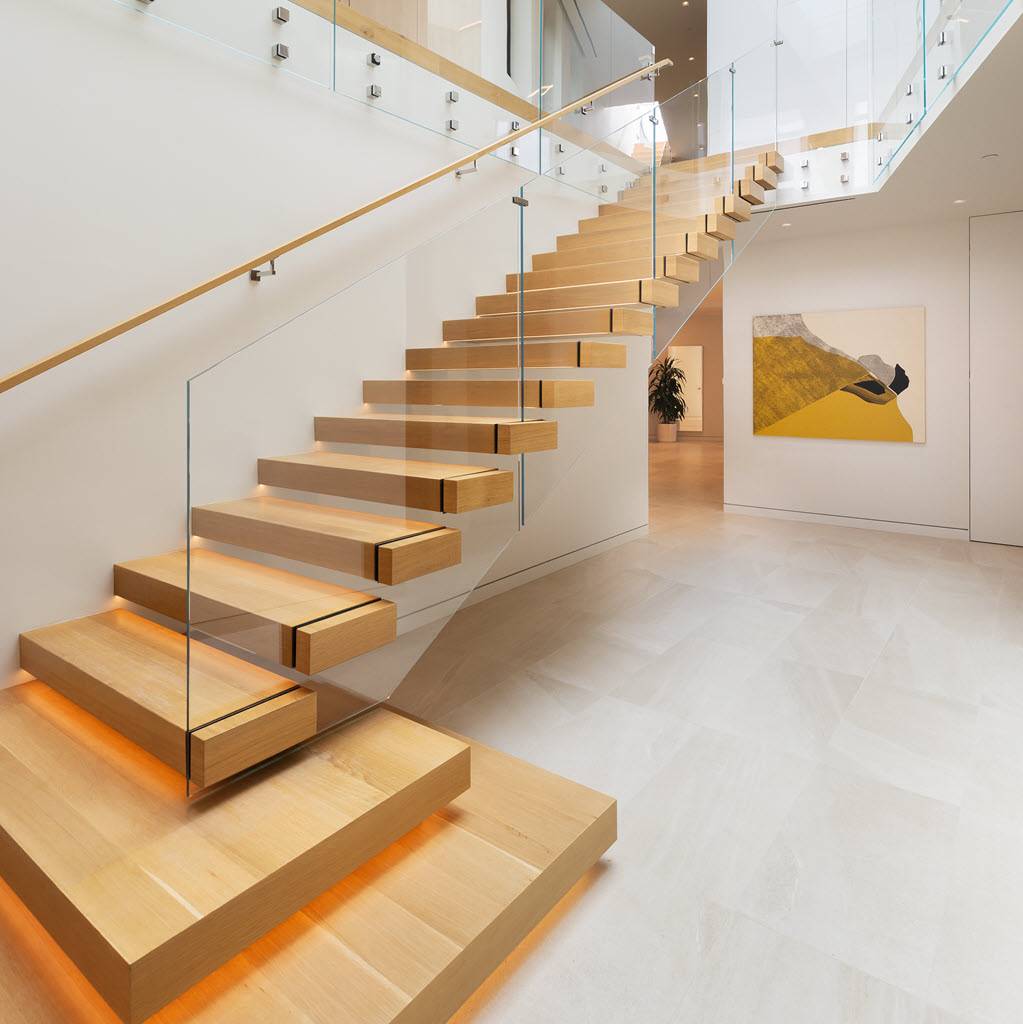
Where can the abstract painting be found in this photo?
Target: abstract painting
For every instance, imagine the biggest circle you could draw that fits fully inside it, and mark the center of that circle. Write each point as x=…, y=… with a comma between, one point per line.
x=809, y=381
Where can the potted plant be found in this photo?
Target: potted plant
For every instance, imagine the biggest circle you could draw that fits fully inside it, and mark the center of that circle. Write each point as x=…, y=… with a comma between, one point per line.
x=666, y=397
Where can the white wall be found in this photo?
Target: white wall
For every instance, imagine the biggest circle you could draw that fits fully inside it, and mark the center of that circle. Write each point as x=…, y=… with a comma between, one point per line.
x=996, y=369
x=139, y=160
x=924, y=485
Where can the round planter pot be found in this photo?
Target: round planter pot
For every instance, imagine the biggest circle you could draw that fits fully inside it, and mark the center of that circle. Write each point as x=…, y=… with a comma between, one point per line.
x=667, y=433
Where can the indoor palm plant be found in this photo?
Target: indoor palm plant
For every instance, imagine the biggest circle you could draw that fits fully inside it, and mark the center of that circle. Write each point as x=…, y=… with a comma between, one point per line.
x=666, y=397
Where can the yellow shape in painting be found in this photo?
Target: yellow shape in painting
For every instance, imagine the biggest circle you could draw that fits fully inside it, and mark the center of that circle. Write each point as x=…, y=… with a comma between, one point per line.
x=790, y=373
x=845, y=417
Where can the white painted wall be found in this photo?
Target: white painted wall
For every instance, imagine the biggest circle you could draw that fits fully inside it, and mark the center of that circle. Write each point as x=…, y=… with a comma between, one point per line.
x=923, y=485
x=140, y=160
x=996, y=368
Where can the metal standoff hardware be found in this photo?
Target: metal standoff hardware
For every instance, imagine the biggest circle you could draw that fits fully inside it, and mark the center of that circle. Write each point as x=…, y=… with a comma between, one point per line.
x=257, y=275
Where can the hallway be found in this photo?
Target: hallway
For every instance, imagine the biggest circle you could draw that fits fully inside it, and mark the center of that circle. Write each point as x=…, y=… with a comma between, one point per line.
x=813, y=732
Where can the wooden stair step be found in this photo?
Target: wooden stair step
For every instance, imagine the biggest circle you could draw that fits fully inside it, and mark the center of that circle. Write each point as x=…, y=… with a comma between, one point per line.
x=504, y=435
x=729, y=205
x=631, y=217
x=538, y=355
x=147, y=893
x=749, y=190
x=650, y=292
x=559, y=324
x=302, y=623
x=596, y=273
x=636, y=228
x=533, y=394
x=697, y=244
x=437, y=486
x=130, y=673
x=381, y=548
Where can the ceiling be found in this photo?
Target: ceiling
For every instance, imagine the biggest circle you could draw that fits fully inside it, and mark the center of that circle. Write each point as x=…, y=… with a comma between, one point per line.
x=951, y=161
x=678, y=29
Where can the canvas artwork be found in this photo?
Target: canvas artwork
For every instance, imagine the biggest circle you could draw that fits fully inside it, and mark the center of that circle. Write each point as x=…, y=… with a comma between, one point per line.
x=852, y=375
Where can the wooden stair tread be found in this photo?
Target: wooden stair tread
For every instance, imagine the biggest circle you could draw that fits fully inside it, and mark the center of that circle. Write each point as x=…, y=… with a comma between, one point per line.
x=438, y=486
x=617, y=293
x=375, y=547
x=604, y=271
x=559, y=324
x=297, y=621
x=502, y=435
x=538, y=355
x=131, y=674
x=533, y=394
x=148, y=893
x=697, y=244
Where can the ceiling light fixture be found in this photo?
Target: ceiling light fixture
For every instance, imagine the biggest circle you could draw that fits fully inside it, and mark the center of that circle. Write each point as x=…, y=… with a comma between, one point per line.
x=692, y=58
x=958, y=202
x=786, y=224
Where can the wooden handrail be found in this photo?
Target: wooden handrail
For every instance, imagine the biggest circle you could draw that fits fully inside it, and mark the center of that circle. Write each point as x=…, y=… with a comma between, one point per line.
x=79, y=348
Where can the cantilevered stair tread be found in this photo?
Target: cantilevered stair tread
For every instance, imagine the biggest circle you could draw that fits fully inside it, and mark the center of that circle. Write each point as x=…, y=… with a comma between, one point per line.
x=495, y=436
x=534, y=394
x=383, y=548
x=595, y=273
x=148, y=893
x=697, y=244
x=299, y=622
x=437, y=486
x=650, y=292
x=559, y=324
x=131, y=673
x=538, y=355
x=461, y=892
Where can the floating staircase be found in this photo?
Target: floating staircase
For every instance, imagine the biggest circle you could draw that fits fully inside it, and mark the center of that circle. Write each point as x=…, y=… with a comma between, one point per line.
x=302, y=864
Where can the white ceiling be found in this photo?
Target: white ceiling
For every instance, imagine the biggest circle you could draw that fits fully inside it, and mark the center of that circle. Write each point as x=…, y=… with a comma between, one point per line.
x=945, y=164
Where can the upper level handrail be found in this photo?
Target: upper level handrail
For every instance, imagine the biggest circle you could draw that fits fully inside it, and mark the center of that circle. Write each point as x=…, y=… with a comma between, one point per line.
x=95, y=340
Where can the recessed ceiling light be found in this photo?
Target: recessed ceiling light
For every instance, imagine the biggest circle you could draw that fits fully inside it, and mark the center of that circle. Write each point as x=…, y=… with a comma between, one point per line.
x=958, y=201
x=692, y=58
x=685, y=3
x=786, y=224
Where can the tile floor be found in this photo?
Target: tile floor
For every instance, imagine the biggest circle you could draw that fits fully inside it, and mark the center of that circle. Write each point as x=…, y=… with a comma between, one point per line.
x=816, y=737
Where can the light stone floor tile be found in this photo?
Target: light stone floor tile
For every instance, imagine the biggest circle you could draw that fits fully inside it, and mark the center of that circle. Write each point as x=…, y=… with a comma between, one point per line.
x=807, y=588
x=843, y=643
x=753, y=975
x=860, y=870
x=977, y=970
x=778, y=860
x=783, y=704
x=917, y=741
x=690, y=679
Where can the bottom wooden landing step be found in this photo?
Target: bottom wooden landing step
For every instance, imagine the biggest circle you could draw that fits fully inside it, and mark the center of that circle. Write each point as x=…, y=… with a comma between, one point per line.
x=148, y=893
x=501, y=436
x=296, y=621
x=404, y=940
x=538, y=355
x=130, y=673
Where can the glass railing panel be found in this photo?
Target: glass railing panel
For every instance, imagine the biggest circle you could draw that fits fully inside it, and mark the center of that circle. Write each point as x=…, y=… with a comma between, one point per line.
x=355, y=473
x=293, y=38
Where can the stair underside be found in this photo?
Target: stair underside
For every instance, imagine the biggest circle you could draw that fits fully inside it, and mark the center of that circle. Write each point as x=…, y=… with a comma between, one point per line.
x=382, y=548
x=511, y=393
x=614, y=320
x=149, y=893
x=438, y=486
x=538, y=355
x=296, y=621
x=131, y=673
x=500, y=436
x=404, y=940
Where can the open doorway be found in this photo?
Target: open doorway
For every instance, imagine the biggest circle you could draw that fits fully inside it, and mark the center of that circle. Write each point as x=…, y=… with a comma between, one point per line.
x=688, y=472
